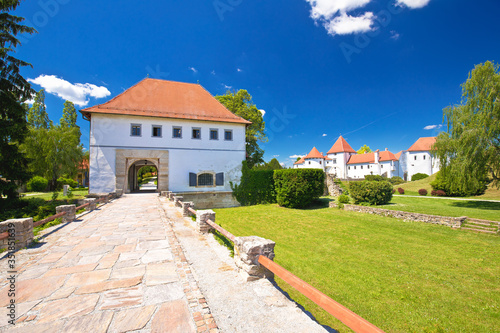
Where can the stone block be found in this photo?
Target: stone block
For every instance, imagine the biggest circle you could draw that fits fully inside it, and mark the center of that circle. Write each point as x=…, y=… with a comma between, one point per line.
x=119, y=193
x=178, y=200
x=104, y=198
x=163, y=193
x=246, y=256
x=185, y=208
x=20, y=233
x=201, y=217
x=65, y=190
x=92, y=204
x=70, y=212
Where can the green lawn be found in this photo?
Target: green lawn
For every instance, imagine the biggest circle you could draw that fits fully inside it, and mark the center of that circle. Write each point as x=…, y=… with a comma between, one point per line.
x=446, y=207
x=401, y=276
x=77, y=194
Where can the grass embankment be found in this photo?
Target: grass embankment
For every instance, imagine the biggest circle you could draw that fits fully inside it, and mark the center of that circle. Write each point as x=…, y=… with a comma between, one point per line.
x=446, y=207
x=401, y=276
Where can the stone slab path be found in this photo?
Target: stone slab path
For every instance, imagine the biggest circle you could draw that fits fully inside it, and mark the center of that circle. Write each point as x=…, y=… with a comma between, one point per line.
x=126, y=267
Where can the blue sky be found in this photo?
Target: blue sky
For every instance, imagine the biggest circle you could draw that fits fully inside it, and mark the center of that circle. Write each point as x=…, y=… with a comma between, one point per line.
x=378, y=72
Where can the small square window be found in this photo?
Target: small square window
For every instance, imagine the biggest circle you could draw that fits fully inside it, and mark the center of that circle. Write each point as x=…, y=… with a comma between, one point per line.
x=156, y=132
x=228, y=135
x=415, y=158
x=334, y=161
x=135, y=130
x=196, y=133
x=177, y=132
x=361, y=167
x=381, y=167
x=424, y=157
x=354, y=167
x=214, y=134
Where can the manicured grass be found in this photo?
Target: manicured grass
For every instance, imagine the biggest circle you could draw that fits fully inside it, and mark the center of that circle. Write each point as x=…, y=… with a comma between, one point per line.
x=446, y=207
x=401, y=276
x=47, y=196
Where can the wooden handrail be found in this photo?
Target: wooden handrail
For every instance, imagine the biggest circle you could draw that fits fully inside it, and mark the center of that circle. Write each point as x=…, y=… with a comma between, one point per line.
x=48, y=219
x=192, y=211
x=4, y=235
x=221, y=230
x=82, y=206
x=349, y=318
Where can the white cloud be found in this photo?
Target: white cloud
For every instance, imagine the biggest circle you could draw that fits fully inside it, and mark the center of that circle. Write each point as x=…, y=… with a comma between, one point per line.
x=345, y=24
x=324, y=134
x=239, y=69
x=276, y=156
x=413, y=4
x=226, y=86
x=394, y=35
x=429, y=127
x=326, y=9
x=263, y=112
x=77, y=93
x=193, y=69
x=296, y=156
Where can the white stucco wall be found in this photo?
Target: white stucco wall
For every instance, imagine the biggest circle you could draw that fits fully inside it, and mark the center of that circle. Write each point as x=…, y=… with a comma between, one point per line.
x=418, y=162
x=111, y=132
x=312, y=163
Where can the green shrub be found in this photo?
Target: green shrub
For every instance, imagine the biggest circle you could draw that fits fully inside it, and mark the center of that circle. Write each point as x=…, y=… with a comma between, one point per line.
x=373, y=193
x=454, y=189
x=374, y=178
x=344, y=188
x=37, y=184
x=396, y=180
x=419, y=176
x=297, y=188
x=343, y=199
x=255, y=187
x=66, y=181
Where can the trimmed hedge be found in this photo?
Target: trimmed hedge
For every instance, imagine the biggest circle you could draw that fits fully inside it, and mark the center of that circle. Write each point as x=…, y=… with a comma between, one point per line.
x=255, y=187
x=297, y=188
x=373, y=193
x=374, y=178
x=419, y=176
x=37, y=184
x=396, y=180
x=66, y=181
x=344, y=199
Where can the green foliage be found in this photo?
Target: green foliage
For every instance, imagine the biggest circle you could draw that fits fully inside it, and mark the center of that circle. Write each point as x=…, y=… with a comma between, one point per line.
x=469, y=151
x=61, y=181
x=297, y=188
x=419, y=176
x=69, y=117
x=345, y=189
x=274, y=164
x=364, y=149
x=373, y=193
x=240, y=103
x=70, y=193
x=256, y=186
x=376, y=178
x=396, y=180
x=14, y=90
x=54, y=196
x=37, y=114
x=343, y=199
x=442, y=183
x=37, y=184
x=147, y=169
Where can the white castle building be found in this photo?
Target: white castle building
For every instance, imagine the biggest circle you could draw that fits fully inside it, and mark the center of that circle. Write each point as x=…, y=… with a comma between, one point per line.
x=195, y=143
x=343, y=161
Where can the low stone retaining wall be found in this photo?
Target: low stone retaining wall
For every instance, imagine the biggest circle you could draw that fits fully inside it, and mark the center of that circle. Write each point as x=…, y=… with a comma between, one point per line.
x=453, y=222
x=206, y=200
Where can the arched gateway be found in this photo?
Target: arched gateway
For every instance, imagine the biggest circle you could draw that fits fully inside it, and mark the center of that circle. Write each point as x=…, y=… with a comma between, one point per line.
x=178, y=127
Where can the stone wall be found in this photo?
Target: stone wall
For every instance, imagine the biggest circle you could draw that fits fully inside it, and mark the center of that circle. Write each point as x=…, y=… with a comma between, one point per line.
x=206, y=200
x=453, y=222
x=333, y=189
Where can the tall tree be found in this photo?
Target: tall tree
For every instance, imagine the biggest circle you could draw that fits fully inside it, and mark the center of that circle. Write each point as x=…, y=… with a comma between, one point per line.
x=14, y=90
x=69, y=115
x=240, y=103
x=364, y=149
x=469, y=152
x=37, y=114
x=273, y=164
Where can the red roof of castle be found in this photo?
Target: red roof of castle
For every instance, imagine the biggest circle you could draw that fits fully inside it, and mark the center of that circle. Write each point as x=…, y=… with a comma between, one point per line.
x=370, y=157
x=398, y=155
x=341, y=146
x=423, y=144
x=300, y=161
x=314, y=153
x=167, y=99
x=387, y=156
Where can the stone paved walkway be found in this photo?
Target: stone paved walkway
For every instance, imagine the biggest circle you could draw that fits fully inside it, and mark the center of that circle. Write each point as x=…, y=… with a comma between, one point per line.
x=136, y=265
x=118, y=269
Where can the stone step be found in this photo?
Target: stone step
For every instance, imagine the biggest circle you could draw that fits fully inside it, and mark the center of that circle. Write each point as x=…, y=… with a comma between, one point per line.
x=485, y=227
x=479, y=230
x=482, y=222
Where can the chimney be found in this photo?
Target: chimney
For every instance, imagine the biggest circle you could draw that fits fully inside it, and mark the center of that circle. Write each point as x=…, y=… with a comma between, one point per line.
x=386, y=149
x=376, y=155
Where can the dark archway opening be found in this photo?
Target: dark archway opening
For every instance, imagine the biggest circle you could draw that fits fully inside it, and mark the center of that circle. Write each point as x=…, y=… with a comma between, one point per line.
x=143, y=177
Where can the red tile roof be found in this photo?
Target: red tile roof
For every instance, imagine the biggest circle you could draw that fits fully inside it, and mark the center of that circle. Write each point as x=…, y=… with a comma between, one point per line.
x=341, y=146
x=362, y=158
x=314, y=153
x=387, y=156
x=423, y=144
x=167, y=99
x=300, y=161
x=398, y=155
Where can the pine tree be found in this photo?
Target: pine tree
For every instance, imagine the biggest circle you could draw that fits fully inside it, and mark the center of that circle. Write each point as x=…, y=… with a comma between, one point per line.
x=69, y=115
x=37, y=114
